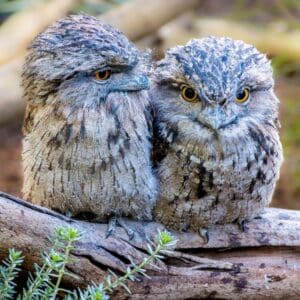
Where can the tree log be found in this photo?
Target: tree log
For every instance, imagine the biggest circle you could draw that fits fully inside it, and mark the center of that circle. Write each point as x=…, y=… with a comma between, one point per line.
x=263, y=262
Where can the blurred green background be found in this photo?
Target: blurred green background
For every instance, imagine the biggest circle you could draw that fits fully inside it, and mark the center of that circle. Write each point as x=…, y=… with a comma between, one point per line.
x=272, y=25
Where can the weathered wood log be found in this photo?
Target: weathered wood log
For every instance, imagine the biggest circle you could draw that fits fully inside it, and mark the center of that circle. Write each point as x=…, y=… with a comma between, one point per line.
x=261, y=263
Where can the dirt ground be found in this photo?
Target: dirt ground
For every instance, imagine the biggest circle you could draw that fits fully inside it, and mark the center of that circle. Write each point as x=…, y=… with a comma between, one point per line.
x=287, y=194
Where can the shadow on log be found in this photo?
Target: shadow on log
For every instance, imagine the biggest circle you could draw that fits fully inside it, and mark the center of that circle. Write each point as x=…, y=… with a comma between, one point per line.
x=261, y=263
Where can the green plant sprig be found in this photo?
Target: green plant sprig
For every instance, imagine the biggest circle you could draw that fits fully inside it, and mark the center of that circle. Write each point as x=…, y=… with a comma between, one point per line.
x=41, y=285
x=67, y=237
x=8, y=272
x=164, y=241
x=54, y=263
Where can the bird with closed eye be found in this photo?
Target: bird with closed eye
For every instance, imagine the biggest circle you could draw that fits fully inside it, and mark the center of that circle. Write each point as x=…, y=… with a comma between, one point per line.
x=216, y=148
x=88, y=125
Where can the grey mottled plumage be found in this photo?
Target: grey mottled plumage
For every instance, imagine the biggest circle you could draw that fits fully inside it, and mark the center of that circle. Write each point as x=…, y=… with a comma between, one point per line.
x=221, y=157
x=86, y=145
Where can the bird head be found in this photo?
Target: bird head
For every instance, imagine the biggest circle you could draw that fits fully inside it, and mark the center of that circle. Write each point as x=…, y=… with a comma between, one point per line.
x=214, y=85
x=81, y=61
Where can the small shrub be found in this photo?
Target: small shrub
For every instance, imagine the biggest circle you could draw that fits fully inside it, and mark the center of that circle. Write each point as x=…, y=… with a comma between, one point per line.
x=45, y=282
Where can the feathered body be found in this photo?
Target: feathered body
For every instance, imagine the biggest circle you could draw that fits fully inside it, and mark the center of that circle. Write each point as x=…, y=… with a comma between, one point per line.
x=221, y=158
x=86, y=146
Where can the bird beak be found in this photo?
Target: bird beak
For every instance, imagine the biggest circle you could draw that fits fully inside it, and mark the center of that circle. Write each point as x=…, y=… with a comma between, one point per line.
x=212, y=121
x=213, y=124
x=215, y=119
x=134, y=83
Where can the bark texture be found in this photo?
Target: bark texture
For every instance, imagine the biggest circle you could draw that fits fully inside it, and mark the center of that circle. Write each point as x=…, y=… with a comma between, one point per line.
x=261, y=263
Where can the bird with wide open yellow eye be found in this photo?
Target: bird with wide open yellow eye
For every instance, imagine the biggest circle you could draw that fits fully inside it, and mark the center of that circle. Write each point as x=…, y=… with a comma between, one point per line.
x=216, y=134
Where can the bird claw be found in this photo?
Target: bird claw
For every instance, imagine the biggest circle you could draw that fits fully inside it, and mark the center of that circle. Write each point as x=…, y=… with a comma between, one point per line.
x=241, y=225
x=203, y=232
x=113, y=222
x=129, y=231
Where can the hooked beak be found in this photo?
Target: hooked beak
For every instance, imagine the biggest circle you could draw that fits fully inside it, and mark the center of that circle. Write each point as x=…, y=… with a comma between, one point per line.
x=134, y=83
x=216, y=121
x=211, y=118
x=211, y=123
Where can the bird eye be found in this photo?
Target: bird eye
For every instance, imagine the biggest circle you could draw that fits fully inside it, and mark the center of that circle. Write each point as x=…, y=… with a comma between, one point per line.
x=188, y=93
x=102, y=75
x=243, y=96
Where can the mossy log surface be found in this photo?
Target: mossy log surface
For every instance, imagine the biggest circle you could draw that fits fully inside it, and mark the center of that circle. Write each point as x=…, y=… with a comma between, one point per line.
x=263, y=262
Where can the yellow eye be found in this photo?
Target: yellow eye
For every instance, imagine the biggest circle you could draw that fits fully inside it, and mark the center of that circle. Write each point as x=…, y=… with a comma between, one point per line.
x=188, y=93
x=243, y=96
x=102, y=75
